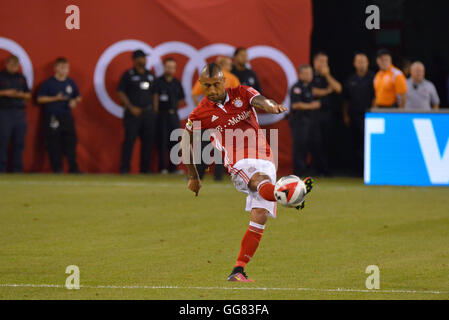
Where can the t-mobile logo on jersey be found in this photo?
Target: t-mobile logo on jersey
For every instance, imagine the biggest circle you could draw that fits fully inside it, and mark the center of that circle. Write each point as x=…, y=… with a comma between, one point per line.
x=240, y=117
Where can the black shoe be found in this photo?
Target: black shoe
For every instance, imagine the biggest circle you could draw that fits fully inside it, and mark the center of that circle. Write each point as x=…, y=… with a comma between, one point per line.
x=238, y=275
x=309, y=184
x=301, y=205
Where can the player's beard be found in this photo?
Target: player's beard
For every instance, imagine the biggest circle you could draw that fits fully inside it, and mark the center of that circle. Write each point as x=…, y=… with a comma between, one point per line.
x=217, y=98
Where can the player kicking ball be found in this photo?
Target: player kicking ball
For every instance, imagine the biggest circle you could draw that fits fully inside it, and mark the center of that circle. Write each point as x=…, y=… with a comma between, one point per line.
x=228, y=114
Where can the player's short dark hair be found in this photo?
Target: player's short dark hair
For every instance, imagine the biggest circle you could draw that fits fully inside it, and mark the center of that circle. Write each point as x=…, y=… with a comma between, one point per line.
x=383, y=52
x=319, y=53
x=60, y=60
x=213, y=69
x=238, y=50
x=304, y=66
x=168, y=59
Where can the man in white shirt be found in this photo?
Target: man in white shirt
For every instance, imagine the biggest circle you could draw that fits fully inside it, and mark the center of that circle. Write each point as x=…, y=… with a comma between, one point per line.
x=421, y=93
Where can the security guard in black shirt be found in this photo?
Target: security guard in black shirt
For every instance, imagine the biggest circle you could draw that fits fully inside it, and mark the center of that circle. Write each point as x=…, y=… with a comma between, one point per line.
x=136, y=94
x=359, y=96
x=168, y=96
x=13, y=94
x=247, y=77
x=304, y=108
x=324, y=84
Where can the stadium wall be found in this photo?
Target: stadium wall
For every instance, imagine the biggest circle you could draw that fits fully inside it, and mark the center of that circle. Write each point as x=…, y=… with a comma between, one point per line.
x=276, y=33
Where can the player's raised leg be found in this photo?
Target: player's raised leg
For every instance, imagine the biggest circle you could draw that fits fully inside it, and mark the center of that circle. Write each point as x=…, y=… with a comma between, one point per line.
x=266, y=189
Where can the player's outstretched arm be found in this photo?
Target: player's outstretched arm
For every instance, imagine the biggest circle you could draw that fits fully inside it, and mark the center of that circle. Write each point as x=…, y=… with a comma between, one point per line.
x=194, y=183
x=267, y=105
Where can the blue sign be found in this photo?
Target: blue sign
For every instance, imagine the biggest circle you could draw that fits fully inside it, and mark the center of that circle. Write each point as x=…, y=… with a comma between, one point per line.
x=410, y=149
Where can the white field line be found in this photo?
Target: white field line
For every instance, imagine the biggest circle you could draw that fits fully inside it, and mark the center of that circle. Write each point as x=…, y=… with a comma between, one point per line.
x=25, y=285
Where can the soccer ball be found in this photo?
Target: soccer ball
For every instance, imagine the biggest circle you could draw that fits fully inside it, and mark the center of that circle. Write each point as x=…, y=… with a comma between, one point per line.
x=290, y=191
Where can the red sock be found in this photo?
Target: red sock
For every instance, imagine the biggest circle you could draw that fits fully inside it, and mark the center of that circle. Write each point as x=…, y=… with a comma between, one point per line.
x=266, y=190
x=249, y=245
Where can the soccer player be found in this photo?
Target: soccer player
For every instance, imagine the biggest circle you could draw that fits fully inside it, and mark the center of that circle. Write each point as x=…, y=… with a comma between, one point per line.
x=230, y=114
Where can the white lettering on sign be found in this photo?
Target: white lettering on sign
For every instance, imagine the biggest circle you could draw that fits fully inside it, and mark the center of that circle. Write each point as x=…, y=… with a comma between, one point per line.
x=437, y=163
x=372, y=126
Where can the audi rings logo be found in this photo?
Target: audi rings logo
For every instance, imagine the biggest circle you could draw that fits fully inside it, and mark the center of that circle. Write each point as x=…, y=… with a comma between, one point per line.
x=197, y=60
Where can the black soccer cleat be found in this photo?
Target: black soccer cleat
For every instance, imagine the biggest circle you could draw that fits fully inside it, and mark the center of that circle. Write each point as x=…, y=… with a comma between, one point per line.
x=239, y=275
x=309, y=184
x=301, y=205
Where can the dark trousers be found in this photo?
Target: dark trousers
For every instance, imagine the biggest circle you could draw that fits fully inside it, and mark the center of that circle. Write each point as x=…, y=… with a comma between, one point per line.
x=167, y=121
x=357, y=127
x=60, y=138
x=324, y=136
x=143, y=127
x=306, y=136
x=12, y=128
x=218, y=167
x=218, y=171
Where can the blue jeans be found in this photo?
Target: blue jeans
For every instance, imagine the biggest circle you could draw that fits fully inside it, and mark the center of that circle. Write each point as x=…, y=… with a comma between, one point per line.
x=12, y=128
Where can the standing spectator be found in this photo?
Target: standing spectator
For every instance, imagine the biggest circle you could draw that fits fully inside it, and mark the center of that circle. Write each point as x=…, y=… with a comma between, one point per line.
x=421, y=93
x=324, y=84
x=247, y=77
x=304, y=108
x=389, y=83
x=135, y=94
x=168, y=96
x=59, y=94
x=13, y=94
x=358, y=97
x=406, y=64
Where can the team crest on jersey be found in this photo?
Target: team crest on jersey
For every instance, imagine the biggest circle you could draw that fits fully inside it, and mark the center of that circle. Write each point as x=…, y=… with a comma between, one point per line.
x=297, y=90
x=69, y=89
x=237, y=102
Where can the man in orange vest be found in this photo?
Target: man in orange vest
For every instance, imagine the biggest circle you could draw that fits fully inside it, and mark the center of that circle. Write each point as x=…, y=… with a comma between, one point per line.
x=389, y=83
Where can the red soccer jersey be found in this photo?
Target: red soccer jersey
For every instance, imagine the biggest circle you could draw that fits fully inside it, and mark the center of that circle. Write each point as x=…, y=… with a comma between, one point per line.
x=235, y=130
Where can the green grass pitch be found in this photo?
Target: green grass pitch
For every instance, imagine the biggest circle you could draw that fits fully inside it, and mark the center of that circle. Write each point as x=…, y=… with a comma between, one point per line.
x=148, y=237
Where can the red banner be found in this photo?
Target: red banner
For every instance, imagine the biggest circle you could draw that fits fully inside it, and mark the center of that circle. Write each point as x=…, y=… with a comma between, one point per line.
x=276, y=33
